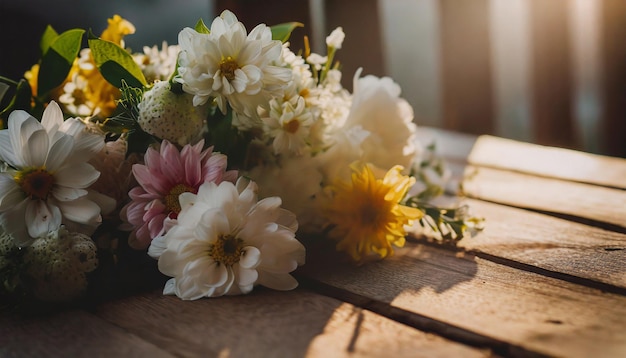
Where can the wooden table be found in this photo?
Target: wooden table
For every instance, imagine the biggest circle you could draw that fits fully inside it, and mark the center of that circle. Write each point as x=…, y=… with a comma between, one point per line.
x=547, y=277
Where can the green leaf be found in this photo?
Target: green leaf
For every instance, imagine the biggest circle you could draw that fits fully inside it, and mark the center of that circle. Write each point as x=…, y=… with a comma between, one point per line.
x=201, y=27
x=48, y=36
x=116, y=64
x=21, y=99
x=283, y=31
x=58, y=60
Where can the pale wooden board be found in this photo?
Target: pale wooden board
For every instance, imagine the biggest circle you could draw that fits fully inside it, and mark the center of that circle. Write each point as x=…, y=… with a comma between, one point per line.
x=548, y=161
x=593, y=202
x=527, y=310
x=69, y=334
x=267, y=323
x=528, y=158
x=548, y=243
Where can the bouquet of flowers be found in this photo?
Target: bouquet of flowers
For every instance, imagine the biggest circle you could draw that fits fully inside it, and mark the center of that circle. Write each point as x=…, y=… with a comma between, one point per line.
x=207, y=156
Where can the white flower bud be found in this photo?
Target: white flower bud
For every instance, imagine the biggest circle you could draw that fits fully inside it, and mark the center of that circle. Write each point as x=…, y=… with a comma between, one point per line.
x=335, y=39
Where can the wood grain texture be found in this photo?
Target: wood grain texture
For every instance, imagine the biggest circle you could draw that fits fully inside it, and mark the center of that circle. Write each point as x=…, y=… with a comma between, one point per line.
x=70, y=334
x=596, y=203
x=550, y=243
x=548, y=161
x=507, y=154
x=272, y=324
x=539, y=314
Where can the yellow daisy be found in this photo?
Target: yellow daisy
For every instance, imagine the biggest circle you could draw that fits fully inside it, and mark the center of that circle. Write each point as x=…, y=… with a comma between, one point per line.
x=366, y=215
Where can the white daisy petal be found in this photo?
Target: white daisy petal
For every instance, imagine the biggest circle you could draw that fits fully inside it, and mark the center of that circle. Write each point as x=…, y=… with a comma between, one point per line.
x=250, y=257
x=81, y=210
x=79, y=175
x=52, y=117
x=42, y=218
x=36, y=149
x=59, y=152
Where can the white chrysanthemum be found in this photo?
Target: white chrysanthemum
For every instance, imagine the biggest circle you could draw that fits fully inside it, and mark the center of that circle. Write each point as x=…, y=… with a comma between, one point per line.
x=57, y=265
x=155, y=64
x=48, y=176
x=234, y=67
x=226, y=242
x=288, y=123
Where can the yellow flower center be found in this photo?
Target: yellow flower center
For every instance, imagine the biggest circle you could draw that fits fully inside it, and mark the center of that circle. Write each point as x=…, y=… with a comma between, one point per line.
x=228, y=66
x=226, y=250
x=37, y=183
x=292, y=126
x=171, y=199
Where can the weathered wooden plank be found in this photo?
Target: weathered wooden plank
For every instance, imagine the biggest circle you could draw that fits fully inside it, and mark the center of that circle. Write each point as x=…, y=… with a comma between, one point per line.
x=550, y=243
x=548, y=161
x=272, y=324
x=527, y=158
x=596, y=203
x=69, y=334
x=519, y=311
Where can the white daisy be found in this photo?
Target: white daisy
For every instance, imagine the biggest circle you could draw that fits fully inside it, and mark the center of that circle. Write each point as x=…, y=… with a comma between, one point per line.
x=48, y=174
x=226, y=242
x=234, y=67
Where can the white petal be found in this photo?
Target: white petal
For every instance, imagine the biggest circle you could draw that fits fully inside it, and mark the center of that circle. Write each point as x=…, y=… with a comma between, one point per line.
x=52, y=118
x=246, y=277
x=250, y=257
x=41, y=218
x=170, y=287
x=63, y=193
x=82, y=211
x=106, y=203
x=36, y=149
x=282, y=282
x=10, y=192
x=59, y=151
x=79, y=175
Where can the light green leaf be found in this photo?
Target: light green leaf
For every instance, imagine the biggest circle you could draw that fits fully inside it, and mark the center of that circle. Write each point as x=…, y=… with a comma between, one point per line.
x=283, y=31
x=116, y=64
x=201, y=27
x=57, y=61
x=48, y=36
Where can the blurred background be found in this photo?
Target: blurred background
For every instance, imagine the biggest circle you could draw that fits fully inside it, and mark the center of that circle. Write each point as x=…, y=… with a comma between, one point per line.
x=551, y=72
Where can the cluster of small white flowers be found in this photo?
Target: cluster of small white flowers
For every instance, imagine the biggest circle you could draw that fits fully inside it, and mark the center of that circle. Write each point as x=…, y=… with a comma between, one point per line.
x=157, y=64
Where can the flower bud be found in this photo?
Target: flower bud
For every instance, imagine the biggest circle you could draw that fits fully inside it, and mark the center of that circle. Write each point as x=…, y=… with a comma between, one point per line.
x=171, y=116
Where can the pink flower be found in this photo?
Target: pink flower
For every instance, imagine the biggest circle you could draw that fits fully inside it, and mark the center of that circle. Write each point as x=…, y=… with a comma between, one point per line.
x=166, y=175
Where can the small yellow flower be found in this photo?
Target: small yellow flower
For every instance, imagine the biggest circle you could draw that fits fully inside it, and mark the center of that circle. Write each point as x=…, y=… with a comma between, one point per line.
x=96, y=94
x=366, y=215
x=117, y=29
